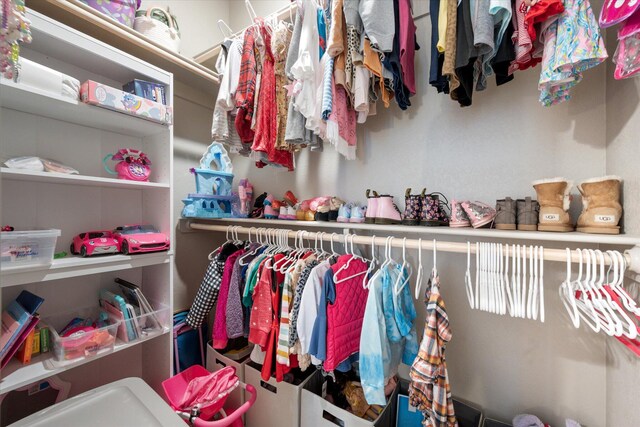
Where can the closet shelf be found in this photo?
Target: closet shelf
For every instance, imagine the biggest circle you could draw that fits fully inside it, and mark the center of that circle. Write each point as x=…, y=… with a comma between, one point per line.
x=76, y=266
x=83, y=18
x=84, y=180
x=16, y=375
x=31, y=100
x=428, y=232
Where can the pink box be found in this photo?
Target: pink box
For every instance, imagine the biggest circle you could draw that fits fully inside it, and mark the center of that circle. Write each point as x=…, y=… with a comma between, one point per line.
x=95, y=93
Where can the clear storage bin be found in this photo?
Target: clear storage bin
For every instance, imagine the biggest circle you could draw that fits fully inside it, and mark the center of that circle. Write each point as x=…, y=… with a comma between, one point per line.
x=27, y=248
x=82, y=344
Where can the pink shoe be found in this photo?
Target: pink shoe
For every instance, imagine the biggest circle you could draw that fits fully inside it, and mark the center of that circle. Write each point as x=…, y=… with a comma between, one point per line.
x=270, y=210
x=388, y=212
x=372, y=207
x=479, y=213
x=459, y=217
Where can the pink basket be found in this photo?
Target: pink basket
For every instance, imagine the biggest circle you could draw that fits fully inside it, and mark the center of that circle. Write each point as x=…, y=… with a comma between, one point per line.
x=123, y=11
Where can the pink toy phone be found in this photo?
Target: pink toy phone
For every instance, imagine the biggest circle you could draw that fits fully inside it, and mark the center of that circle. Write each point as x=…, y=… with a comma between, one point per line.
x=133, y=164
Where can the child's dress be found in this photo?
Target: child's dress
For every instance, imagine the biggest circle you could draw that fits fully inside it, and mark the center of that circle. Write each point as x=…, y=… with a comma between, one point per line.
x=572, y=44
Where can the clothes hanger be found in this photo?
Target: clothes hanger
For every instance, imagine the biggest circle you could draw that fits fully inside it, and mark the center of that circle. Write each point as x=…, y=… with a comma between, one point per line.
x=406, y=270
x=467, y=275
x=353, y=276
x=532, y=282
x=617, y=285
x=434, y=271
x=616, y=304
x=614, y=326
x=478, y=266
x=372, y=264
x=420, y=272
x=387, y=250
x=566, y=293
x=541, y=283
x=507, y=283
x=584, y=285
x=224, y=29
x=216, y=250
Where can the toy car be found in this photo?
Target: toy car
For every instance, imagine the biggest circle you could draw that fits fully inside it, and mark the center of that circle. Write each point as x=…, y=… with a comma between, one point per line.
x=94, y=243
x=140, y=238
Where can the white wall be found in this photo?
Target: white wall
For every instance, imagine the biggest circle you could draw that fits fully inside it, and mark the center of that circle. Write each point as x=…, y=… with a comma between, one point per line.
x=239, y=17
x=197, y=21
x=623, y=158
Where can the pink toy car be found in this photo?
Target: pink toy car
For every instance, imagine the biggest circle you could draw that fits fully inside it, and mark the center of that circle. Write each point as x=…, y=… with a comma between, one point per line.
x=135, y=239
x=94, y=243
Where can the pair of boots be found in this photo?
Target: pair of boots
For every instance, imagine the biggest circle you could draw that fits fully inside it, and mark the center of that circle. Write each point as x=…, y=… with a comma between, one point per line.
x=521, y=214
x=601, y=208
x=381, y=209
x=425, y=209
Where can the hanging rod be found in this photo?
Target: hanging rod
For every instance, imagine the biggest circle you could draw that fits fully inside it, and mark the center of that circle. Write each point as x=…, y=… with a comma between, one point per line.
x=632, y=256
x=280, y=15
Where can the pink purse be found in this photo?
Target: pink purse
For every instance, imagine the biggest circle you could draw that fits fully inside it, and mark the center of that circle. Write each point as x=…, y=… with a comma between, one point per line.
x=133, y=164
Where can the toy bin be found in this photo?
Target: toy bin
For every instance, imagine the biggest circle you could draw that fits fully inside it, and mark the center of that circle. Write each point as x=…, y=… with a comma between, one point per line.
x=277, y=403
x=83, y=343
x=216, y=361
x=315, y=411
x=204, y=206
x=27, y=248
x=149, y=325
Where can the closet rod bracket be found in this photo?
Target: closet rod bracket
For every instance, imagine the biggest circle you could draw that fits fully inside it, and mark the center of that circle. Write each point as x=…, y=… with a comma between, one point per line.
x=634, y=258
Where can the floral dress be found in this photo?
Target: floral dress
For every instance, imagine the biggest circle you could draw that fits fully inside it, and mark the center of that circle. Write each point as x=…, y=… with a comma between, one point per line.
x=572, y=44
x=280, y=48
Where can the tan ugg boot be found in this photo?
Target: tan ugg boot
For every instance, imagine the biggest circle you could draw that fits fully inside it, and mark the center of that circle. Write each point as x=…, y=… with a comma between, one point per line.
x=601, y=210
x=554, y=198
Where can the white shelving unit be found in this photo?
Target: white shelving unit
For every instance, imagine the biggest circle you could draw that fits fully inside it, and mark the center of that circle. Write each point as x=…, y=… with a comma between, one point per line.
x=37, y=123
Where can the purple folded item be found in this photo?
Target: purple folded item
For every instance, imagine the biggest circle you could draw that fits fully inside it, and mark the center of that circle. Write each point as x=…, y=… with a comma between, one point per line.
x=123, y=11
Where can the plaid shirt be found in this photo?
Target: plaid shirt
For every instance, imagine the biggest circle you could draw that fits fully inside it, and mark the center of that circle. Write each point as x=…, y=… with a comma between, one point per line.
x=245, y=93
x=430, y=390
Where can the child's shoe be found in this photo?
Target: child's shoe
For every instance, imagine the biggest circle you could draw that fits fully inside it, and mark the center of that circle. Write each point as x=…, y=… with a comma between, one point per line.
x=505, y=214
x=344, y=213
x=479, y=214
x=357, y=215
x=412, y=207
x=258, y=206
x=334, y=207
x=322, y=213
x=433, y=212
x=290, y=198
x=388, y=212
x=301, y=210
x=528, y=212
x=459, y=217
x=270, y=207
x=283, y=212
x=372, y=207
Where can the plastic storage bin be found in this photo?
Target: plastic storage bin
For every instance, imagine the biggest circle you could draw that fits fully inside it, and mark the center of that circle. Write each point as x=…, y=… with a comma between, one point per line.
x=81, y=344
x=27, y=248
x=217, y=361
x=315, y=411
x=277, y=403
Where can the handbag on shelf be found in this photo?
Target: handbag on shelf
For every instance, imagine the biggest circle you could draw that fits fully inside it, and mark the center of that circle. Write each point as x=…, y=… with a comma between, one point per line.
x=123, y=11
x=160, y=26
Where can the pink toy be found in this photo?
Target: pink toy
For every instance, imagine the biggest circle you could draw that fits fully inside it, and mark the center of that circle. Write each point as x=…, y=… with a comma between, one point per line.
x=616, y=11
x=627, y=55
x=94, y=243
x=141, y=238
x=133, y=164
x=187, y=394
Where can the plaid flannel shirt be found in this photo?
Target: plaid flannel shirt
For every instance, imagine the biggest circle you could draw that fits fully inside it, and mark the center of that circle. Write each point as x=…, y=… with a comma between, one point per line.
x=245, y=93
x=430, y=390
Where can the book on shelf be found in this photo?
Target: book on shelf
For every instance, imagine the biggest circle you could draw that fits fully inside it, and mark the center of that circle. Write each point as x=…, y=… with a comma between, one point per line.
x=26, y=349
x=20, y=340
x=16, y=318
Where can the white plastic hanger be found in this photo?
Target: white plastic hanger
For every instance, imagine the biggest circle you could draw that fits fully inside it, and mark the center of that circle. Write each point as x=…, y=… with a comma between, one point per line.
x=467, y=275
x=372, y=264
x=532, y=282
x=541, y=282
x=614, y=326
x=507, y=282
x=420, y=273
x=405, y=270
x=434, y=271
x=566, y=293
x=224, y=29
x=353, y=276
x=501, y=284
x=478, y=267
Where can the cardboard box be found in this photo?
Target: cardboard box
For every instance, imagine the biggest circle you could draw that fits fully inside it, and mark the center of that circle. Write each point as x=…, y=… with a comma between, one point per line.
x=315, y=411
x=148, y=90
x=217, y=361
x=114, y=99
x=278, y=403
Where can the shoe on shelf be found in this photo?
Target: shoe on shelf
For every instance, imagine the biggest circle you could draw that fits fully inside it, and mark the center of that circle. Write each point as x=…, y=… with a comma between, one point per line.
x=554, y=196
x=322, y=211
x=344, y=213
x=601, y=208
x=291, y=213
x=372, y=207
x=412, y=207
x=334, y=207
x=433, y=212
x=283, y=212
x=459, y=217
x=258, y=206
x=480, y=214
x=301, y=211
x=357, y=214
x=290, y=198
x=505, y=214
x=388, y=212
x=271, y=207
x=527, y=211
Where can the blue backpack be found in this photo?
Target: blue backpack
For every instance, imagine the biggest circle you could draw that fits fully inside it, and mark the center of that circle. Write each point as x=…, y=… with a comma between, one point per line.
x=188, y=343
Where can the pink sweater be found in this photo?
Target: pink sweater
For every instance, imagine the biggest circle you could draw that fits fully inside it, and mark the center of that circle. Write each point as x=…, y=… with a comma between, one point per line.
x=220, y=321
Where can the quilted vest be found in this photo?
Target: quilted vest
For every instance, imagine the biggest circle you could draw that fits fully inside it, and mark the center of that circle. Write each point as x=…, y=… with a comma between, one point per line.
x=344, y=316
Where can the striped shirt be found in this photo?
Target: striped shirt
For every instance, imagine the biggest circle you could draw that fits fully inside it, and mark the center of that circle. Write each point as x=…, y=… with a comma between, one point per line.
x=430, y=390
x=282, y=352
